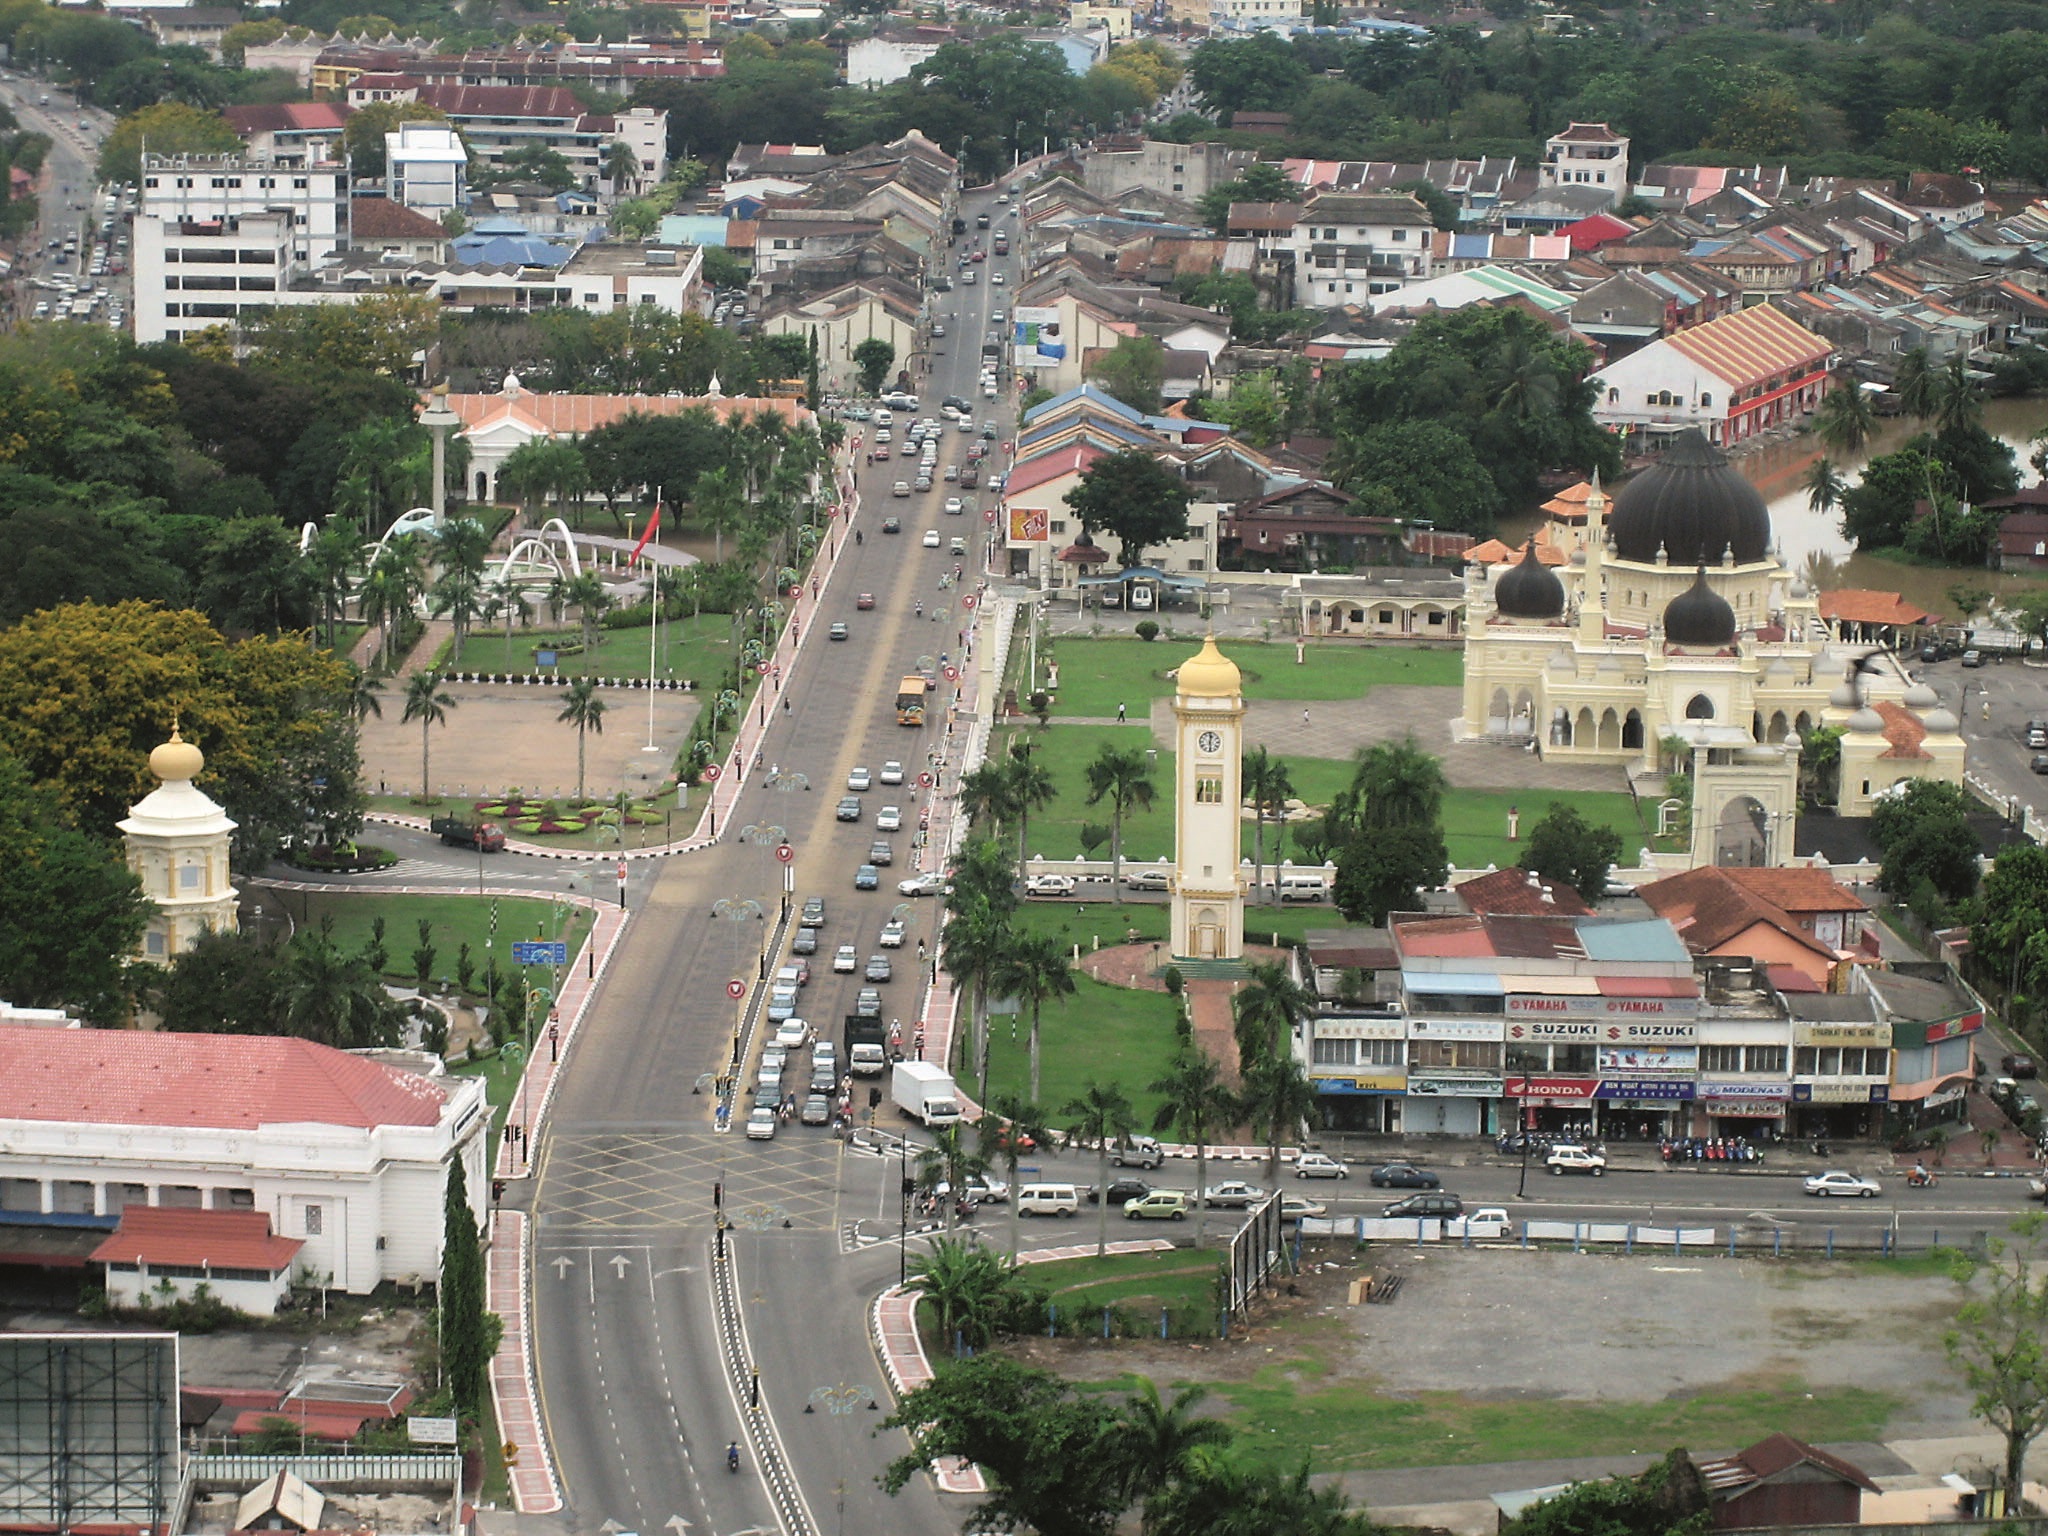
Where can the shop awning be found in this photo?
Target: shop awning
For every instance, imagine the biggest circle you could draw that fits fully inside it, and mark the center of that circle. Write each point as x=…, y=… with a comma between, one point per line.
x=1648, y=986
x=1914, y=1093
x=1455, y=984
x=1555, y=986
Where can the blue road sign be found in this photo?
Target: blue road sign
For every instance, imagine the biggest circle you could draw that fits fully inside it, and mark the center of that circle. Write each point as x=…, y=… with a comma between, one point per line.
x=539, y=952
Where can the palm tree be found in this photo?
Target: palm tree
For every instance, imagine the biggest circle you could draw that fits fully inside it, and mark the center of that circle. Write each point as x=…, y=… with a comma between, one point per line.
x=1914, y=383
x=591, y=598
x=463, y=546
x=333, y=556
x=984, y=795
x=332, y=998
x=965, y=1284
x=1101, y=1115
x=1034, y=971
x=622, y=166
x=949, y=1160
x=1010, y=1122
x=1845, y=420
x=1267, y=1008
x=1824, y=486
x=388, y=593
x=1030, y=788
x=972, y=948
x=1278, y=1098
x=1123, y=776
x=1161, y=1438
x=359, y=695
x=720, y=501
x=1396, y=784
x=1267, y=785
x=584, y=709
x=426, y=703
x=1196, y=1101
x=1957, y=406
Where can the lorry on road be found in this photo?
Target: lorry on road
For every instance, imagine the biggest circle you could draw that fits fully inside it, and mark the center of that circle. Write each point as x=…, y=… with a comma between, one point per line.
x=924, y=1091
x=867, y=1046
x=910, y=696
x=480, y=835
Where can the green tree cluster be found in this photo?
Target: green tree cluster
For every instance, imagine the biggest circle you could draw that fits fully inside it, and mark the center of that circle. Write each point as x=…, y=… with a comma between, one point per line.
x=1384, y=832
x=1928, y=845
x=238, y=983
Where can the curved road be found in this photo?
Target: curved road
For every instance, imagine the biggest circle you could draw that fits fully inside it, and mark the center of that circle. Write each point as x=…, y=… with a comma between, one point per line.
x=640, y=1389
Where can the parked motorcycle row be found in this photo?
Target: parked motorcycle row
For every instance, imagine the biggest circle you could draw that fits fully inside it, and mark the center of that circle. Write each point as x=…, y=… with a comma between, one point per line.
x=1710, y=1149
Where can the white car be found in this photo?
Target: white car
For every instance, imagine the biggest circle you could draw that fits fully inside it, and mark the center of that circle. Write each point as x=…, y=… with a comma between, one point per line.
x=922, y=885
x=892, y=772
x=955, y=506
x=761, y=1123
x=1050, y=885
x=793, y=1034
x=1837, y=1182
x=1574, y=1159
x=1316, y=1165
x=860, y=780
x=844, y=960
x=1233, y=1193
x=988, y=391
x=931, y=538
x=892, y=934
x=997, y=279
x=889, y=819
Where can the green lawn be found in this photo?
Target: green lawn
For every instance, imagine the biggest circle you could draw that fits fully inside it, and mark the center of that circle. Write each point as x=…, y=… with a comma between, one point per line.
x=1176, y=1278
x=455, y=919
x=1097, y=675
x=1093, y=924
x=700, y=648
x=1101, y=1034
x=1475, y=820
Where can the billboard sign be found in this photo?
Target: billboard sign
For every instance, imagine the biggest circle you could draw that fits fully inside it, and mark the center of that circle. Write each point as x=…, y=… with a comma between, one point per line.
x=1036, y=338
x=1030, y=525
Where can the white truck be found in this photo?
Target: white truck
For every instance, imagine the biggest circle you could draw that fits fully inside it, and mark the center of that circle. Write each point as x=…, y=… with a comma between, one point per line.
x=924, y=1091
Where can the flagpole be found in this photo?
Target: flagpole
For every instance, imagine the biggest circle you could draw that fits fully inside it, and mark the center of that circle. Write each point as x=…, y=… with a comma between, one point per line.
x=653, y=623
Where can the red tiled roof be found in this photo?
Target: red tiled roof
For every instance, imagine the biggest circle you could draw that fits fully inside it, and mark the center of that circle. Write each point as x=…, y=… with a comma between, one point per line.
x=319, y=1426
x=1516, y=890
x=503, y=100
x=1493, y=552
x=1707, y=909
x=1033, y=472
x=216, y=1082
x=1859, y=605
x=558, y=414
x=158, y=1234
x=1589, y=133
x=1752, y=346
x=294, y=116
x=1799, y=889
x=1903, y=730
x=379, y=218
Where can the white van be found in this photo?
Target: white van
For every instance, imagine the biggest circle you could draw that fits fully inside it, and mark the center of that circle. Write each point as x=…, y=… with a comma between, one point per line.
x=1048, y=1200
x=1302, y=887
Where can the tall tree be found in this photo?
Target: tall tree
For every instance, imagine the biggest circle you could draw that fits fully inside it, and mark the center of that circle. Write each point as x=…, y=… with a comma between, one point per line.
x=1846, y=419
x=465, y=1336
x=1101, y=1115
x=1135, y=497
x=1267, y=785
x=1567, y=848
x=462, y=546
x=1278, y=1099
x=1010, y=1124
x=1162, y=1438
x=1195, y=1102
x=1267, y=1009
x=1122, y=776
x=584, y=708
x=1133, y=371
x=1396, y=784
x=1034, y=972
x=874, y=358
x=426, y=702
x=2000, y=1342
x=1029, y=786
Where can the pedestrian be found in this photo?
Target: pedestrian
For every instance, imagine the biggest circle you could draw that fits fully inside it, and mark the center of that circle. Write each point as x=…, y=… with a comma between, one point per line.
x=1120, y=712
x=1304, y=719
x=785, y=705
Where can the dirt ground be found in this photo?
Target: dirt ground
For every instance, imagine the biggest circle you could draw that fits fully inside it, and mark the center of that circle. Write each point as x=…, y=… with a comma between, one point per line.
x=1602, y=1327
x=499, y=738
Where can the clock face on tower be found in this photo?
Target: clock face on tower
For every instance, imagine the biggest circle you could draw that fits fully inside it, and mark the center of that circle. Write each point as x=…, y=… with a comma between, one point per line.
x=1209, y=741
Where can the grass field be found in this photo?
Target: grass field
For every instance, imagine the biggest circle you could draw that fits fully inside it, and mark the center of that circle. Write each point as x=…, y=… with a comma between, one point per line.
x=1475, y=820
x=1093, y=924
x=1303, y=1407
x=1178, y=1278
x=700, y=648
x=455, y=919
x=1101, y=1034
x=1097, y=675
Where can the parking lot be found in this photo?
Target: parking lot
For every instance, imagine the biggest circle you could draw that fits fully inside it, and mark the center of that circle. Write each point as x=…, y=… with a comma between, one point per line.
x=1994, y=703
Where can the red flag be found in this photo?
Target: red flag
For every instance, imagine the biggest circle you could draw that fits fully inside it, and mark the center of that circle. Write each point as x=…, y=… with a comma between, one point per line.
x=653, y=522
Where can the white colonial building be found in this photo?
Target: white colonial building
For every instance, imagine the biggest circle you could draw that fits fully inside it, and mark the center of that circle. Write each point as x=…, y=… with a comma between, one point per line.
x=345, y=1152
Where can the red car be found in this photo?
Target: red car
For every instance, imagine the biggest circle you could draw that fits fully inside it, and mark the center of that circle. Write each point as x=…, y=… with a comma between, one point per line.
x=865, y=600
x=979, y=256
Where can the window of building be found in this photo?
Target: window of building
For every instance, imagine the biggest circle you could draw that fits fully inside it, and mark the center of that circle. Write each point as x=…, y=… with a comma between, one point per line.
x=312, y=1221
x=184, y=1197
x=1336, y=1053
x=1380, y=1053
x=1720, y=1058
x=188, y=877
x=153, y=944
x=1208, y=791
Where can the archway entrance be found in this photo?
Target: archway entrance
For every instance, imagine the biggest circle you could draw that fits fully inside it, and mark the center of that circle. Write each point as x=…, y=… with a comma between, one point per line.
x=1741, y=836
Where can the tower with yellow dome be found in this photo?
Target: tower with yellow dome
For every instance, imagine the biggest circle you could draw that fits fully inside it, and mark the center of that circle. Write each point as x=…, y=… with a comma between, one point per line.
x=1208, y=725
x=177, y=841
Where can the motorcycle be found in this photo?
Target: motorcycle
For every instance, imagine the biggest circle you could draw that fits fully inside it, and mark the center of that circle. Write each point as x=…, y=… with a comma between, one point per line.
x=1920, y=1178
x=732, y=1457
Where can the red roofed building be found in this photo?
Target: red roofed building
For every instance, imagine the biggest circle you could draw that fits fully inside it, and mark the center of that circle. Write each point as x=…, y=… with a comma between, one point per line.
x=233, y=1253
x=1861, y=614
x=1731, y=378
x=1715, y=914
x=347, y=1153
x=1780, y=1481
x=1522, y=892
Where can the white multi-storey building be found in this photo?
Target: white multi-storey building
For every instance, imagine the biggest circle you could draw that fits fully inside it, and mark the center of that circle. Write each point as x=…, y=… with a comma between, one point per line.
x=1587, y=155
x=192, y=273
x=1348, y=246
x=203, y=188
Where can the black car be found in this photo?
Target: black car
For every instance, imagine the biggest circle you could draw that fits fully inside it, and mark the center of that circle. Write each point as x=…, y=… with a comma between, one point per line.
x=892, y=525
x=1119, y=1191
x=2039, y=762
x=1404, y=1176
x=867, y=878
x=849, y=808
x=1426, y=1205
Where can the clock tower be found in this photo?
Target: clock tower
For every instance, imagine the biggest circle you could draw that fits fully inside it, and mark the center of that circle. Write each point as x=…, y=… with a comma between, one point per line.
x=1208, y=726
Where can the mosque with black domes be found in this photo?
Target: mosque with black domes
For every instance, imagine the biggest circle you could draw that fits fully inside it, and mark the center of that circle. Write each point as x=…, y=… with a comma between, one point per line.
x=1668, y=614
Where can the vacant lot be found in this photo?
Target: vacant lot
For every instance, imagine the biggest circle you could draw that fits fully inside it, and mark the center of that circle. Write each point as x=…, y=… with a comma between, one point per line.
x=1502, y=1356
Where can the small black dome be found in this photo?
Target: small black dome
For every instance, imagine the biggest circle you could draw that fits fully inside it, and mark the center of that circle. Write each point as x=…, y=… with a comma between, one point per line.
x=1693, y=505
x=1529, y=590
x=1699, y=616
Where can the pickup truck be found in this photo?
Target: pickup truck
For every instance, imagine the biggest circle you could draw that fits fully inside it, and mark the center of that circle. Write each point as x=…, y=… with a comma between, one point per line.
x=480, y=835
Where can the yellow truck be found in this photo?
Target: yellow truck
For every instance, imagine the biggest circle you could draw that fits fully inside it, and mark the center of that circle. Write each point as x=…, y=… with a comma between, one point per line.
x=910, y=696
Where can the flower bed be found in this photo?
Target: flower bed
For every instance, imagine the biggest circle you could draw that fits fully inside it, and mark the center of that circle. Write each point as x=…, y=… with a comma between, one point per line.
x=350, y=858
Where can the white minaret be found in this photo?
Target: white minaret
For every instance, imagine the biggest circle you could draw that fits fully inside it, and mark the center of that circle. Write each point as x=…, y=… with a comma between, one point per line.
x=1208, y=724
x=178, y=846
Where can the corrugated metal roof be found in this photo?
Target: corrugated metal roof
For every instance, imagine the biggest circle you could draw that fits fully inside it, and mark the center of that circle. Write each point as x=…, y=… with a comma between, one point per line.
x=1650, y=939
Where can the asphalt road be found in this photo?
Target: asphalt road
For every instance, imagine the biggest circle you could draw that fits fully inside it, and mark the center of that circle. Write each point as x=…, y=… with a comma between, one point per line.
x=72, y=162
x=640, y=1390
x=2014, y=693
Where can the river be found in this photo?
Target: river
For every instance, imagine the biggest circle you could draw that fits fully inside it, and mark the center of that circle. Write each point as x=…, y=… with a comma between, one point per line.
x=1779, y=469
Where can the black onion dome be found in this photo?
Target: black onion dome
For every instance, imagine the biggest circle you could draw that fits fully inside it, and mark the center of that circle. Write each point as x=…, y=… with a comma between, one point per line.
x=1699, y=616
x=1693, y=505
x=1530, y=590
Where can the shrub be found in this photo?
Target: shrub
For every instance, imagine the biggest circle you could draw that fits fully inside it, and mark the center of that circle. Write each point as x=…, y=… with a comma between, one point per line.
x=1147, y=630
x=1173, y=980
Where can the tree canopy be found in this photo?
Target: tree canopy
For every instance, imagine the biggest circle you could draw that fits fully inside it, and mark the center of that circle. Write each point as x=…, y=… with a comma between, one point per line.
x=1135, y=497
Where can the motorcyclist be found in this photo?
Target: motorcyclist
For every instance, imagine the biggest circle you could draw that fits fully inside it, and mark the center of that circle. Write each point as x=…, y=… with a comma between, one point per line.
x=920, y=610
x=732, y=1457
x=1920, y=1175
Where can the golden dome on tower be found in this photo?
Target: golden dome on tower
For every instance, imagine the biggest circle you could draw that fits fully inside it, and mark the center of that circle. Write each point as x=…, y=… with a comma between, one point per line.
x=1209, y=674
x=176, y=759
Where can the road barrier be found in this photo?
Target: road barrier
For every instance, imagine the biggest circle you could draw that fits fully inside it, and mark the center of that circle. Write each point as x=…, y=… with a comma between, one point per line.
x=1757, y=1241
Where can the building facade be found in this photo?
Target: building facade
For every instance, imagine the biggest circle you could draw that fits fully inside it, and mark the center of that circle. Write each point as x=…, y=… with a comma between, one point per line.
x=177, y=842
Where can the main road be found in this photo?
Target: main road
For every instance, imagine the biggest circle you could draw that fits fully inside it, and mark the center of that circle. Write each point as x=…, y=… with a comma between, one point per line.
x=643, y=1379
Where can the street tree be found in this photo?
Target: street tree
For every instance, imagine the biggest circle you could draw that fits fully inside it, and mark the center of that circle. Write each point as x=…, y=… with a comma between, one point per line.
x=584, y=708
x=1927, y=843
x=167, y=128
x=1195, y=1102
x=1396, y=784
x=1035, y=971
x=1104, y=1116
x=1123, y=777
x=970, y=1288
x=1266, y=1010
x=1134, y=371
x=874, y=358
x=1567, y=848
x=1387, y=870
x=428, y=703
x=1278, y=1099
x=950, y=1160
x=1029, y=786
x=1012, y=1124
x=1267, y=786
x=1135, y=497
x=467, y=1340
x=1999, y=1343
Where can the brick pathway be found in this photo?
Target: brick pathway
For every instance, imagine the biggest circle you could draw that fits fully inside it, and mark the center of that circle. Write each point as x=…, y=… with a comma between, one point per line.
x=534, y=1488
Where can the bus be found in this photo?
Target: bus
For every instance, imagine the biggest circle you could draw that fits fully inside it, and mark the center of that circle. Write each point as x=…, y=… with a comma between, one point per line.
x=910, y=696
